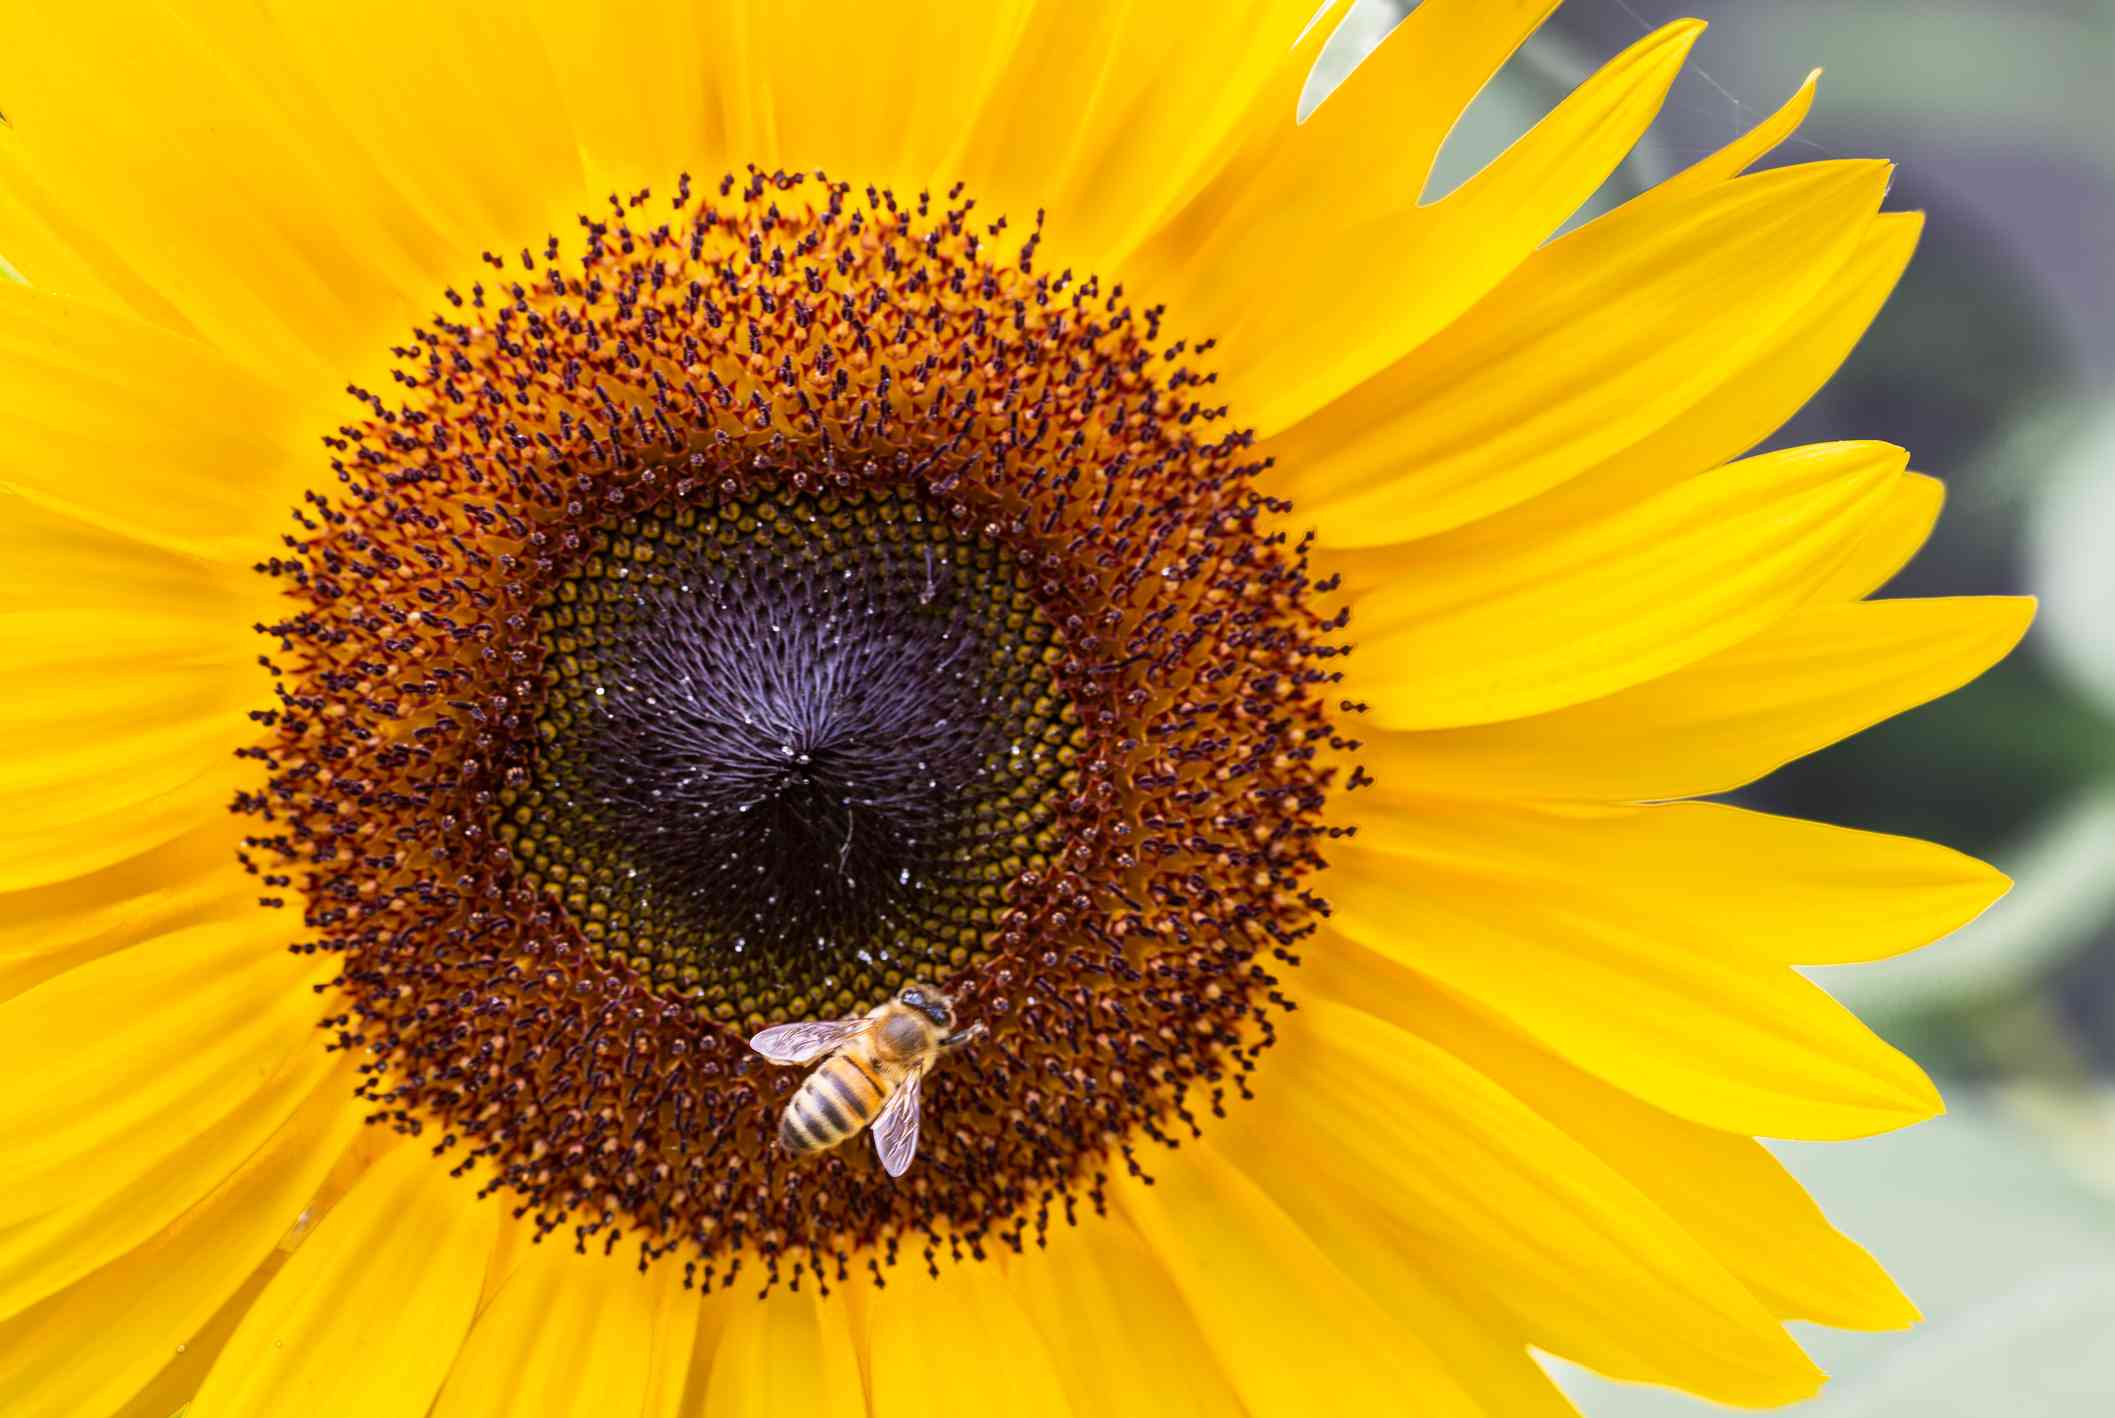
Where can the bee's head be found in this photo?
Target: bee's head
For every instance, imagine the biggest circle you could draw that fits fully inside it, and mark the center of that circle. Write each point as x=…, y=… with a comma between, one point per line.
x=928, y=1002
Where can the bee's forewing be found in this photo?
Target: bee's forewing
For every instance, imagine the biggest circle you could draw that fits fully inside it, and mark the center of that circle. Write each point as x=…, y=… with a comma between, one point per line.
x=804, y=1042
x=896, y=1130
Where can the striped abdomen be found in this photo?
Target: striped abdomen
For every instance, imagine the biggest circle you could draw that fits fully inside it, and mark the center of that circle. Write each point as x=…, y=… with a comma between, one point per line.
x=834, y=1103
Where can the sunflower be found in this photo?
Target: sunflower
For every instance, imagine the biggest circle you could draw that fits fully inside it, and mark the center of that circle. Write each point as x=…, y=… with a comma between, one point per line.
x=542, y=539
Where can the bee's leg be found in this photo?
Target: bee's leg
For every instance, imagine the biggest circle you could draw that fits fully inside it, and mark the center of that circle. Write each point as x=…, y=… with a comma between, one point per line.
x=962, y=1036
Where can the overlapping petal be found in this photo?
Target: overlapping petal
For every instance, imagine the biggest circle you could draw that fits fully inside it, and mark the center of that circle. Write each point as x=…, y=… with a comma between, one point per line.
x=558, y=1341
x=150, y=1319
x=1533, y=625
x=136, y=1053
x=1653, y=1006
x=1822, y=673
x=1440, y=1169
x=368, y=1314
x=1226, y=1244
x=1724, y=1190
x=1324, y=267
x=1592, y=345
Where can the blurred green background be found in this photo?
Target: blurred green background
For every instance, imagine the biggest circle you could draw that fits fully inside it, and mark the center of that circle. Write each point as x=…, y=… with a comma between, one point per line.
x=1993, y=365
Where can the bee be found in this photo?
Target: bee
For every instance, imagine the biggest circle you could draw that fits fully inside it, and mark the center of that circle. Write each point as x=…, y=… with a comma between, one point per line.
x=871, y=1075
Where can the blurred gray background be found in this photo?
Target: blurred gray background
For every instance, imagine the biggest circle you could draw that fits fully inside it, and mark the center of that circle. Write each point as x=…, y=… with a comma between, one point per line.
x=1993, y=365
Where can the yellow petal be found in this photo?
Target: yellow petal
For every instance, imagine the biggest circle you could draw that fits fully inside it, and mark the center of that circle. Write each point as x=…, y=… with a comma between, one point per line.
x=1896, y=535
x=128, y=1056
x=1401, y=1157
x=368, y=1314
x=233, y=148
x=787, y=1353
x=120, y=825
x=1775, y=379
x=47, y=1253
x=69, y=259
x=1566, y=618
x=1362, y=1229
x=99, y=407
x=1107, y=116
x=1659, y=1011
x=1310, y=291
x=1374, y=140
x=1727, y=1192
x=993, y=1347
x=685, y=1333
x=1750, y=402
x=90, y=1347
x=1775, y=890
x=1735, y=157
x=135, y=750
x=51, y=556
x=1598, y=340
x=131, y=688
x=76, y=784
x=1120, y=1336
x=1365, y=152
x=47, y=931
x=1290, y=1329
x=1823, y=673
x=567, y=1334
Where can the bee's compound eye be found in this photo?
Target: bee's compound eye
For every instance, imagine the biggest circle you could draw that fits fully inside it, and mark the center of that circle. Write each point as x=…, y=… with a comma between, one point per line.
x=914, y=998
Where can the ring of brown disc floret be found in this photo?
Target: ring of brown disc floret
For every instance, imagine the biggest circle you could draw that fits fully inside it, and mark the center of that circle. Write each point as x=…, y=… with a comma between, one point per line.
x=783, y=336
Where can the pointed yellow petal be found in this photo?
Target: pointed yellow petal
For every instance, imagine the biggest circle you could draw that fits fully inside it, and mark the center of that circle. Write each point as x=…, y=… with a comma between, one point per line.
x=75, y=785
x=134, y=1053
x=1374, y=140
x=1311, y=292
x=1733, y=159
x=1776, y=890
x=1749, y=403
x=1262, y=1291
x=89, y=1348
x=369, y=1313
x=1727, y=1192
x=1598, y=340
x=1896, y=535
x=1663, y=1013
x=1821, y=674
x=1458, y=1178
x=1566, y=618
x=567, y=1334
x=1366, y=152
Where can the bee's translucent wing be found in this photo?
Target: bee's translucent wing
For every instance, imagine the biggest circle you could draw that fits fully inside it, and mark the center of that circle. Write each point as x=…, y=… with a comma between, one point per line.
x=807, y=1041
x=896, y=1130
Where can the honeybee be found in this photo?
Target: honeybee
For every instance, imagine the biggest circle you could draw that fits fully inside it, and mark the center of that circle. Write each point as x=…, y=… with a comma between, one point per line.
x=872, y=1073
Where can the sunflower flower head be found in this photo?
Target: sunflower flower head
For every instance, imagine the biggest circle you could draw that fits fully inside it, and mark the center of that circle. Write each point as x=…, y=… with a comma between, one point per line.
x=1171, y=667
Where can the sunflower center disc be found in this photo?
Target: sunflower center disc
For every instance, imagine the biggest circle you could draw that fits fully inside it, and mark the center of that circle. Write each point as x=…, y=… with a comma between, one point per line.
x=793, y=751
x=795, y=591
